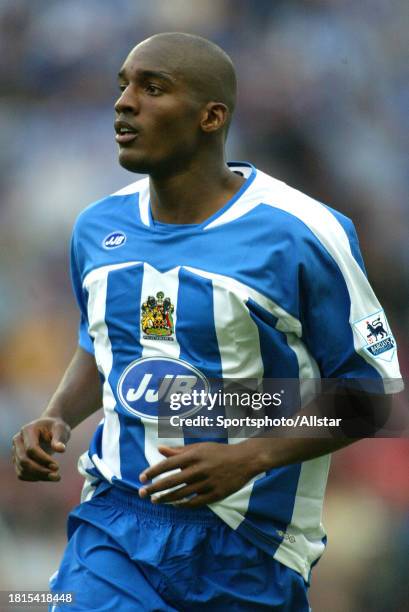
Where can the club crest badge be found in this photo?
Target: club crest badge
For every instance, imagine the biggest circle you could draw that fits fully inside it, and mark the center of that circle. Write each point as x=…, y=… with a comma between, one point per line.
x=374, y=330
x=156, y=317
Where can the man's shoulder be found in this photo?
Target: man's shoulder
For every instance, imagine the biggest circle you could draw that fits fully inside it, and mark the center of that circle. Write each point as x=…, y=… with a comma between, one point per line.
x=299, y=208
x=280, y=210
x=109, y=205
x=278, y=194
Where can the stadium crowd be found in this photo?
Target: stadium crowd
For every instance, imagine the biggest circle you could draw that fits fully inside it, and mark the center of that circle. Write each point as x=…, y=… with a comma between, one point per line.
x=323, y=98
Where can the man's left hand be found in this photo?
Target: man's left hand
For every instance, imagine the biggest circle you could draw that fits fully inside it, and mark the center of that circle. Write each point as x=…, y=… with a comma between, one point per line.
x=207, y=472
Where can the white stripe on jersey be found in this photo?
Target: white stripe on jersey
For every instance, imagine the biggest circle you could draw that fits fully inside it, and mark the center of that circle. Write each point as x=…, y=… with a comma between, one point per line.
x=103, y=271
x=240, y=354
x=309, y=372
x=90, y=482
x=237, y=336
x=309, y=531
x=312, y=481
x=232, y=509
x=96, y=285
x=144, y=203
x=168, y=282
x=142, y=188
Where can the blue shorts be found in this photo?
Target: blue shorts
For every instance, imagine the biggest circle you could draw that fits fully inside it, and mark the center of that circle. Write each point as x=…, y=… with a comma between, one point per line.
x=125, y=554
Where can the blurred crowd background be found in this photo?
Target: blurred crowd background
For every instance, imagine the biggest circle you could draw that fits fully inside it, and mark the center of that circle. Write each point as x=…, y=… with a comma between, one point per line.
x=323, y=104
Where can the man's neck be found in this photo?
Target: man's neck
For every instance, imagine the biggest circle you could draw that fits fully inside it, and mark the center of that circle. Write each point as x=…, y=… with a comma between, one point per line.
x=194, y=195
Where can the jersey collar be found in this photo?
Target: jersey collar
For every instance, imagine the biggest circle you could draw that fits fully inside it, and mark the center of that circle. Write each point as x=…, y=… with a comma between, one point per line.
x=244, y=168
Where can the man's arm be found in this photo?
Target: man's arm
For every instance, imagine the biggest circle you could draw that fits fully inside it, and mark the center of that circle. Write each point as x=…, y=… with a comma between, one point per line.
x=78, y=396
x=212, y=471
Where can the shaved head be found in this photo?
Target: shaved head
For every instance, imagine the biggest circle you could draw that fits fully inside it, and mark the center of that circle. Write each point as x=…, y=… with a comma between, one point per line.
x=178, y=93
x=200, y=63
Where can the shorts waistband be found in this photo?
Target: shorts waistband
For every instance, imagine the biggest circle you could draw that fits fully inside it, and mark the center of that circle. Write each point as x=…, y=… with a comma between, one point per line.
x=161, y=512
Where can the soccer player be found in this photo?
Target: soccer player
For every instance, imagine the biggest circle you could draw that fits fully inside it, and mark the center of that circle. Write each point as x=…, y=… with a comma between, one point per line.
x=203, y=270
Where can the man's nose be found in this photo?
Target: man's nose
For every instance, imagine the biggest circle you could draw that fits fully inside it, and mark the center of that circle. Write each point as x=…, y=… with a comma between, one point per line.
x=128, y=101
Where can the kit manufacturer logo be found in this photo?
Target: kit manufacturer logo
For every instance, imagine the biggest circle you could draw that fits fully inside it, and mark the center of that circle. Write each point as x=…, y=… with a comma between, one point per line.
x=114, y=240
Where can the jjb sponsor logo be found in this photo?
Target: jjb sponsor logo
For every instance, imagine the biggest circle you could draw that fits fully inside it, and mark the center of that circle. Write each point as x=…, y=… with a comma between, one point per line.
x=114, y=240
x=374, y=330
x=146, y=386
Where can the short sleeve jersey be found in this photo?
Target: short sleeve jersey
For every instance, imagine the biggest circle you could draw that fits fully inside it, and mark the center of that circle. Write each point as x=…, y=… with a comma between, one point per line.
x=271, y=286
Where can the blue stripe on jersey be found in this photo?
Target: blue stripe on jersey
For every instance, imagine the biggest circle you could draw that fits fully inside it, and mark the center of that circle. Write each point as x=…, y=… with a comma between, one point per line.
x=279, y=360
x=122, y=320
x=96, y=442
x=199, y=346
x=350, y=231
x=278, y=487
x=84, y=339
x=123, y=314
x=95, y=448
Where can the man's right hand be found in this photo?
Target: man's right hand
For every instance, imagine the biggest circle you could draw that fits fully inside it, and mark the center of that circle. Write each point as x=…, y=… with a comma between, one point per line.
x=33, y=446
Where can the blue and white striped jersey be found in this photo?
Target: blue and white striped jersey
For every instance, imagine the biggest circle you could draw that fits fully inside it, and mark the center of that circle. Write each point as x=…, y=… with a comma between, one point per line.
x=272, y=285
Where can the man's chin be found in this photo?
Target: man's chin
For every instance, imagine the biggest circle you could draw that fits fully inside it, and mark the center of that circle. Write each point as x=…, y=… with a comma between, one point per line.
x=129, y=161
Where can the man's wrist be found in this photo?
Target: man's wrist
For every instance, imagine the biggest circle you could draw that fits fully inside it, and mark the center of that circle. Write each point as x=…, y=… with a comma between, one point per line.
x=257, y=455
x=56, y=410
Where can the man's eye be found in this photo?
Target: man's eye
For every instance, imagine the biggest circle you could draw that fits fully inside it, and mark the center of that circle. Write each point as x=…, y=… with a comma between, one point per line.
x=122, y=87
x=152, y=89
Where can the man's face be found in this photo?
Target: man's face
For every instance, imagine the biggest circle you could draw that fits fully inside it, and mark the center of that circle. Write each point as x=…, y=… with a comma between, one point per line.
x=157, y=120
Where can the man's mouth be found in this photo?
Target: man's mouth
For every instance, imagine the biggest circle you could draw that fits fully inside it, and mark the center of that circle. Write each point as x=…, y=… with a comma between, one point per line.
x=124, y=132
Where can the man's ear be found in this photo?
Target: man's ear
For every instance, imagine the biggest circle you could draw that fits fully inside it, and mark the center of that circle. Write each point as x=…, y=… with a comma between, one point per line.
x=215, y=116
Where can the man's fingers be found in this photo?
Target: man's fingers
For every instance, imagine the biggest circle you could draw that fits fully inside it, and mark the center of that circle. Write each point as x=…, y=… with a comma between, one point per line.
x=35, y=475
x=26, y=468
x=60, y=435
x=168, y=482
x=180, y=460
x=181, y=493
x=57, y=446
x=32, y=448
x=169, y=451
x=31, y=477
